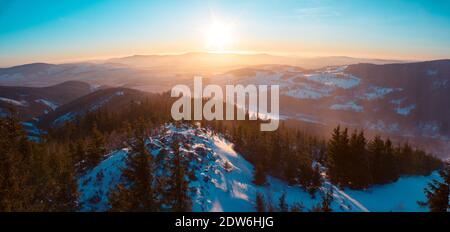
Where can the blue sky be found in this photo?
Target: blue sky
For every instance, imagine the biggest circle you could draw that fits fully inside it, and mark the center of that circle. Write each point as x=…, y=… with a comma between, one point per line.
x=59, y=31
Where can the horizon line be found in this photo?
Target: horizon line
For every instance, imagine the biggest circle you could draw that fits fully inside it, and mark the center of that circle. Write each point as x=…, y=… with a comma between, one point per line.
x=274, y=54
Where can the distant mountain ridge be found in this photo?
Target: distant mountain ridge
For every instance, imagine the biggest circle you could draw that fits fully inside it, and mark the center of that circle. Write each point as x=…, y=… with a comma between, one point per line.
x=112, y=98
x=234, y=59
x=34, y=101
x=407, y=101
x=146, y=70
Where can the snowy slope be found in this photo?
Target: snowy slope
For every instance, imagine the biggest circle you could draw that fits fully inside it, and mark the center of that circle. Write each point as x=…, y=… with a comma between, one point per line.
x=14, y=102
x=217, y=188
x=400, y=196
x=405, y=96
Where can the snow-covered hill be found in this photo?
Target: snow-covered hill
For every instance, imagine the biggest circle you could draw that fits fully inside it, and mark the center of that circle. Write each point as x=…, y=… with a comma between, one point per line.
x=113, y=98
x=406, y=101
x=33, y=102
x=401, y=101
x=221, y=187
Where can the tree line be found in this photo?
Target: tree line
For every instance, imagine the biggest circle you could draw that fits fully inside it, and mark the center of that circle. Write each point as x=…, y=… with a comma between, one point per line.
x=355, y=162
x=41, y=176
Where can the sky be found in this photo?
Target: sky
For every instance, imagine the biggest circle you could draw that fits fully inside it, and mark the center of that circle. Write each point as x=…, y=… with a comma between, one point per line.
x=71, y=30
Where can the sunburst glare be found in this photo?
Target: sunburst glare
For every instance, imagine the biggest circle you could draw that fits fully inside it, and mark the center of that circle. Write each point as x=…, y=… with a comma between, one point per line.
x=219, y=36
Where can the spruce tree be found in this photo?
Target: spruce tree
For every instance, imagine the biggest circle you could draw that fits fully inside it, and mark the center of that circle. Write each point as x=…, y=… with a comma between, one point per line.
x=282, y=205
x=390, y=162
x=96, y=149
x=359, y=162
x=78, y=153
x=291, y=172
x=326, y=200
x=338, y=159
x=259, y=177
x=15, y=195
x=60, y=189
x=260, y=204
x=437, y=193
x=178, y=191
x=316, y=180
x=376, y=150
x=33, y=176
x=137, y=194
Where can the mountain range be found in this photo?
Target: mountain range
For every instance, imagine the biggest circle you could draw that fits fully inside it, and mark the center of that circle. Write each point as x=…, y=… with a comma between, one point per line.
x=404, y=101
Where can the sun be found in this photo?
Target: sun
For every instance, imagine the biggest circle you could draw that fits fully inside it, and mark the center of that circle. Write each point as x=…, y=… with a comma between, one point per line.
x=219, y=36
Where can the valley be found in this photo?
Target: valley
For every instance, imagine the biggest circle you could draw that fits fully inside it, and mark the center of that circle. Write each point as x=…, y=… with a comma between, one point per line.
x=94, y=108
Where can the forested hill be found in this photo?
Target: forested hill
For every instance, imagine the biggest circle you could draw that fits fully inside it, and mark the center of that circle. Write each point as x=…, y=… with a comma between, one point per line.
x=52, y=174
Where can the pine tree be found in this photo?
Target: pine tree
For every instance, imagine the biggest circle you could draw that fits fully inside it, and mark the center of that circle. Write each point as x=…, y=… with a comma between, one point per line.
x=282, y=205
x=325, y=204
x=120, y=199
x=376, y=152
x=33, y=176
x=139, y=193
x=78, y=153
x=14, y=169
x=437, y=193
x=390, y=162
x=259, y=177
x=359, y=162
x=61, y=187
x=316, y=181
x=338, y=158
x=95, y=149
x=291, y=172
x=68, y=190
x=327, y=199
x=178, y=184
x=260, y=204
x=275, y=151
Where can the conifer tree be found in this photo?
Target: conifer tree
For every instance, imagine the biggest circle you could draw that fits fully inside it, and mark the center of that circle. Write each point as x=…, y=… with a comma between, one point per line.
x=260, y=204
x=259, y=177
x=95, y=149
x=275, y=151
x=78, y=153
x=178, y=191
x=390, y=162
x=291, y=172
x=14, y=169
x=316, y=180
x=438, y=193
x=282, y=205
x=61, y=187
x=139, y=193
x=376, y=149
x=33, y=176
x=325, y=204
x=338, y=159
x=359, y=163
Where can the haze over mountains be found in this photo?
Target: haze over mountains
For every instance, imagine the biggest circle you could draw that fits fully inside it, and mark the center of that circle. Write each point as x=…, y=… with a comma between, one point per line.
x=406, y=101
x=141, y=70
x=36, y=101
